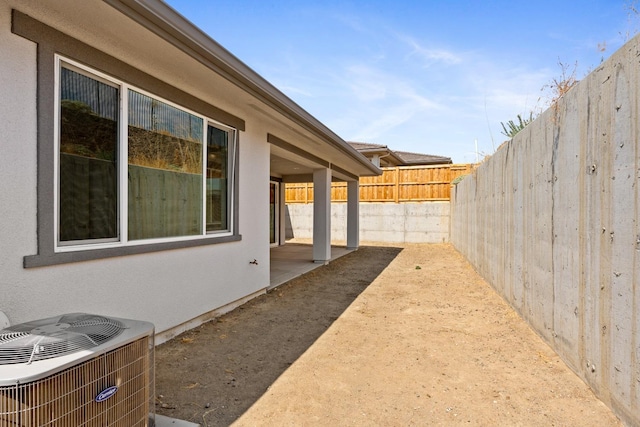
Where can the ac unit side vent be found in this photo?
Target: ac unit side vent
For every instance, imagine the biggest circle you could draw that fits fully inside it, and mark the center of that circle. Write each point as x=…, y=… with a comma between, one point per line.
x=68, y=398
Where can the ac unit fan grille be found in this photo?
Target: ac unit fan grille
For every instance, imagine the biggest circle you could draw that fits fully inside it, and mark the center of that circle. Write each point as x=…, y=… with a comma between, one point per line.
x=49, y=338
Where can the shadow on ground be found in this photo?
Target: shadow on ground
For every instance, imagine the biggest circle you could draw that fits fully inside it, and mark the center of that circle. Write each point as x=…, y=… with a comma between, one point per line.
x=212, y=374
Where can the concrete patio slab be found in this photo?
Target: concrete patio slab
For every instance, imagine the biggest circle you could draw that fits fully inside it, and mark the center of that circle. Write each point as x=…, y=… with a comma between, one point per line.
x=295, y=259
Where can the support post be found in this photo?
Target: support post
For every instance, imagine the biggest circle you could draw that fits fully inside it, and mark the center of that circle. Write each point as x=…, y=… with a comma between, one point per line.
x=353, y=214
x=322, y=216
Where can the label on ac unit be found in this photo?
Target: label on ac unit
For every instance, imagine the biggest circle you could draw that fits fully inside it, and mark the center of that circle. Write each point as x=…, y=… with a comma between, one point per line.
x=106, y=393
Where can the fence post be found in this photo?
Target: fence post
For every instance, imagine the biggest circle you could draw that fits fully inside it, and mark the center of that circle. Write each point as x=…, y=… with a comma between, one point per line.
x=396, y=197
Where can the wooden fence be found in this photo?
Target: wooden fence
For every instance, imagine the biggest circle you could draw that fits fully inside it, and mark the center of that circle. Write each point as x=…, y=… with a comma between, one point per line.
x=397, y=184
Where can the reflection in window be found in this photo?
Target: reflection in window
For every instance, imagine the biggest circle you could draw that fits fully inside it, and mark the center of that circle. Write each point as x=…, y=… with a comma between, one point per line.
x=217, y=179
x=165, y=169
x=88, y=203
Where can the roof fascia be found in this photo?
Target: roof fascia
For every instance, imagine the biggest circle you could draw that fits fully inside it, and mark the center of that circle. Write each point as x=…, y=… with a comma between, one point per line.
x=397, y=158
x=383, y=152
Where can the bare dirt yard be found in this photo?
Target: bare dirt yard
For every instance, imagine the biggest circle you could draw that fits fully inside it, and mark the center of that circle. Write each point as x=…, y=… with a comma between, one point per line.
x=384, y=336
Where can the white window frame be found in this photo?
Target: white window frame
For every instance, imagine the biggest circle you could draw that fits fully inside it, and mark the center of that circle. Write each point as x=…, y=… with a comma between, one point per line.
x=122, y=195
x=231, y=176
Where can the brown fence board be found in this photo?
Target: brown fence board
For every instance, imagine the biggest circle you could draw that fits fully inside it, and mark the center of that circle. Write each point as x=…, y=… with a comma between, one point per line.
x=397, y=184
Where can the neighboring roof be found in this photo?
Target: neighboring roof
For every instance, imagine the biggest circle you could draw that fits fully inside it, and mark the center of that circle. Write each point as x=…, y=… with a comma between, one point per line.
x=399, y=158
x=387, y=157
x=165, y=22
x=423, y=159
x=362, y=146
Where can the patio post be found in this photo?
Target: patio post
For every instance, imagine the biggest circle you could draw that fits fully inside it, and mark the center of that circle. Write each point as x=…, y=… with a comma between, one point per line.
x=322, y=215
x=353, y=214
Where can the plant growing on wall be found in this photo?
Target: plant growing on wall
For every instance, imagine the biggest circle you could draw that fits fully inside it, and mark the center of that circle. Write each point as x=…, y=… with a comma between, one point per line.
x=512, y=128
x=632, y=20
x=559, y=86
x=556, y=88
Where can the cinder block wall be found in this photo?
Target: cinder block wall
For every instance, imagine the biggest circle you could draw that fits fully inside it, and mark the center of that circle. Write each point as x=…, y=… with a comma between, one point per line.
x=426, y=222
x=552, y=221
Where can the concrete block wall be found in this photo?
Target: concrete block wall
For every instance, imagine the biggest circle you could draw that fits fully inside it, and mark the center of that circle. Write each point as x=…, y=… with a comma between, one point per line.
x=426, y=222
x=552, y=221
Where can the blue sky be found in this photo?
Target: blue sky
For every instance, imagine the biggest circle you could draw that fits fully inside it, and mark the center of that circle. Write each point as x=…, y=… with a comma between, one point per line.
x=425, y=76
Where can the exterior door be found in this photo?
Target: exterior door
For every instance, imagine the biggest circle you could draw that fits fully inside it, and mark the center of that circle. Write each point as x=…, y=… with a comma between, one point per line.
x=274, y=220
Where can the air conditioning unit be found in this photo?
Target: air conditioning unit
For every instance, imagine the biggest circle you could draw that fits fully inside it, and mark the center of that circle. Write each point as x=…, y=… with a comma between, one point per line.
x=77, y=370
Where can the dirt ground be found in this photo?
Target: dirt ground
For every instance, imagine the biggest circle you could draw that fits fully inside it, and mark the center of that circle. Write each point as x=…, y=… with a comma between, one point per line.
x=385, y=336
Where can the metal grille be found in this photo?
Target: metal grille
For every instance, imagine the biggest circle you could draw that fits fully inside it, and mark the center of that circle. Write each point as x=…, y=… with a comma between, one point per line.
x=48, y=338
x=67, y=399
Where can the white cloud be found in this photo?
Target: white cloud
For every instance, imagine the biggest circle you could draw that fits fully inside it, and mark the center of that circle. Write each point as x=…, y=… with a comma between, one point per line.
x=378, y=102
x=295, y=90
x=374, y=84
x=381, y=123
x=431, y=100
x=365, y=83
x=444, y=118
x=430, y=56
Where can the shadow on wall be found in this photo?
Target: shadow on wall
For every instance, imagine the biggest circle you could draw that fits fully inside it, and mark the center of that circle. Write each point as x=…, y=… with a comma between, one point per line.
x=288, y=228
x=212, y=374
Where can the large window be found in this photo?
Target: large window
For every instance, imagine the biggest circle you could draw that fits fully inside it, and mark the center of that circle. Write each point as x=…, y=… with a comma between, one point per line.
x=134, y=168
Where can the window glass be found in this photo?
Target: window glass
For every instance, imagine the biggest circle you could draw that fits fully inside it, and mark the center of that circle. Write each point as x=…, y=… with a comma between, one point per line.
x=133, y=167
x=88, y=203
x=217, y=179
x=165, y=169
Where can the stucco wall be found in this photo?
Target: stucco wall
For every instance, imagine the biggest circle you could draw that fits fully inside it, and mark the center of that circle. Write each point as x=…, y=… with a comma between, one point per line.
x=551, y=220
x=426, y=222
x=167, y=287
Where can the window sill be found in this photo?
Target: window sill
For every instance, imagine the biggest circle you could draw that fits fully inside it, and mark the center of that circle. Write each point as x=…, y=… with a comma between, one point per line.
x=56, y=258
